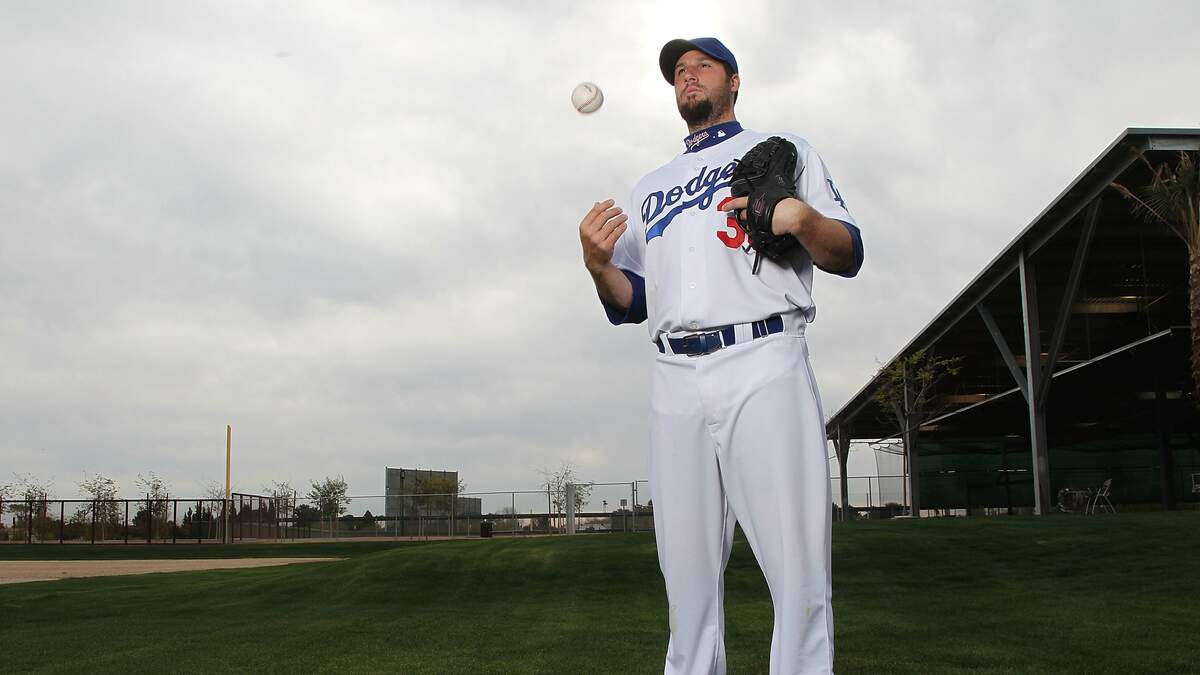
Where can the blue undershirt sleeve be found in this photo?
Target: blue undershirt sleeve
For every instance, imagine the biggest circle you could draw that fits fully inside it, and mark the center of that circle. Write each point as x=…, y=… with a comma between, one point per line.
x=636, y=313
x=856, y=238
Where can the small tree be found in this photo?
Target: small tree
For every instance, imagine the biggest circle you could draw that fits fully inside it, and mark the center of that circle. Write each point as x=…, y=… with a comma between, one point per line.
x=1172, y=197
x=34, y=492
x=439, y=497
x=440, y=493
x=906, y=388
x=330, y=498
x=214, y=495
x=31, y=488
x=556, y=483
x=281, y=493
x=6, y=493
x=156, y=490
x=102, y=490
x=306, y=515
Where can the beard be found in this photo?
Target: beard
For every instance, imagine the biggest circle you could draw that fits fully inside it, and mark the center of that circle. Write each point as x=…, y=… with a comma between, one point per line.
x=696, y=112
x=700, y=111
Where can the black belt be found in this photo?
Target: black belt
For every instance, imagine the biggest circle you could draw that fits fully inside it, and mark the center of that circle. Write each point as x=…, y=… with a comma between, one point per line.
x=707, y=343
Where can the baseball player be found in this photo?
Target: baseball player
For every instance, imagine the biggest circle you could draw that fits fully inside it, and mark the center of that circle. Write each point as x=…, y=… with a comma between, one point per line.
x=737, y=431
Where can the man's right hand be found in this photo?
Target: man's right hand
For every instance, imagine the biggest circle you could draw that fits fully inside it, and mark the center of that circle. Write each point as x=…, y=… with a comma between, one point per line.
x=598, y=232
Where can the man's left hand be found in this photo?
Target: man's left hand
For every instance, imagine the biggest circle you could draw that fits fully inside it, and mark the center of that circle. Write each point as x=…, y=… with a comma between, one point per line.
x=791, y=216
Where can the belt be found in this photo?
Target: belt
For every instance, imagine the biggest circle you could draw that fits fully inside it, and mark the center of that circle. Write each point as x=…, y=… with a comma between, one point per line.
x=707, y=343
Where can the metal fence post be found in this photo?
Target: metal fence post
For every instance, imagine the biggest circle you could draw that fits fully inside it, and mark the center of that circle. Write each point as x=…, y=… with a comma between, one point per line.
x=126, y=523
x=29, y=521
x=62, y=519
x=149, y=517
x=634, y=497
x=93, y=524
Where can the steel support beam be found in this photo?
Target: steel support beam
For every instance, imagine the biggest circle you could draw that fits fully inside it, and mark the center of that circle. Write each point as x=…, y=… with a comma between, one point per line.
x=910, y=447
x=1081, y=194
x=1068, y=299
x=843, y=455
x=1033, y=378
x=1172, y=143
x=1005, y=351
x=1166, y=459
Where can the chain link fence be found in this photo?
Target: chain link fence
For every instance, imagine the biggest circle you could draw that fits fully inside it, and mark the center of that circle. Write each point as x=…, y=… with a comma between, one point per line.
x=600, y=507
x=112, y=521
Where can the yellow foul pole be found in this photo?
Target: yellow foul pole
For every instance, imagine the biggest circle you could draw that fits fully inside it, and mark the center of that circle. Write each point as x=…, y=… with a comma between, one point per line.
x=228, y=445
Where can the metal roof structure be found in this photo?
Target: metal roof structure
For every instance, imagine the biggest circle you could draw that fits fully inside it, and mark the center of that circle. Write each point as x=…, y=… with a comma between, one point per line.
x=1098, y=292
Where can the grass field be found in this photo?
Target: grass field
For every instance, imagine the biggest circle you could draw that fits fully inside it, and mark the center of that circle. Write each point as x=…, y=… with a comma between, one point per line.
x=1112, y=594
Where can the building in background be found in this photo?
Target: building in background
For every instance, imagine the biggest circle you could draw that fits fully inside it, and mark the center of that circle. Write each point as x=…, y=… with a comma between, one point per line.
x=421, y=501
x=1073, y=380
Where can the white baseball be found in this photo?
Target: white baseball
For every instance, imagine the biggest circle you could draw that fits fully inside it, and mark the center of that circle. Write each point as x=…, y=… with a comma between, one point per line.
x=587, y=97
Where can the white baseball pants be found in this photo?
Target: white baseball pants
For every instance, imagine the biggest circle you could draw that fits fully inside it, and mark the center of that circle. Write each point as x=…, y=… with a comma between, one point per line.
x=738, y=436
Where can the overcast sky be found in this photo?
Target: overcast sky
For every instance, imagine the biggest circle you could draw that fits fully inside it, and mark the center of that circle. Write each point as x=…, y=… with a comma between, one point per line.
x=349, y=230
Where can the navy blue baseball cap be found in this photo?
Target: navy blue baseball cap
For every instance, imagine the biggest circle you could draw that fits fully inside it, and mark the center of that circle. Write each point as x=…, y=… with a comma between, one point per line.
x=676, y=48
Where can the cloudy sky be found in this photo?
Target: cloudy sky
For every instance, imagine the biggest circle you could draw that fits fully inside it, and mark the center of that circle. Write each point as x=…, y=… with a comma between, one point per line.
x=349, y=230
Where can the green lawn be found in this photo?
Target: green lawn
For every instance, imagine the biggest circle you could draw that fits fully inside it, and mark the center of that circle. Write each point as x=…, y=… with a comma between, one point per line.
x=1113, y=594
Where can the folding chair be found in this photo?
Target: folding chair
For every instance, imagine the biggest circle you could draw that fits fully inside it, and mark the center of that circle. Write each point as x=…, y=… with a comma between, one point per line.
x=1101, y=493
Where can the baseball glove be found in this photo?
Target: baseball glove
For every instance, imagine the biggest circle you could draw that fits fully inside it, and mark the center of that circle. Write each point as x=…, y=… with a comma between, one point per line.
x=765, y=174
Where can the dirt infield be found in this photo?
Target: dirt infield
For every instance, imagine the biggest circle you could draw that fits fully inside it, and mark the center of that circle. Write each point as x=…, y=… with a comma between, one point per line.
x=18, y=571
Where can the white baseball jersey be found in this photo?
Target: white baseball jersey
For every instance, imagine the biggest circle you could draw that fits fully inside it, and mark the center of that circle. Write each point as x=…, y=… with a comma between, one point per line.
x=695, y=260
x=736, y=435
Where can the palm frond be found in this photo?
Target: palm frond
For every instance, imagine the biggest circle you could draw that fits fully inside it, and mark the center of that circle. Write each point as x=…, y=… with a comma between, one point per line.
x=1172, y=197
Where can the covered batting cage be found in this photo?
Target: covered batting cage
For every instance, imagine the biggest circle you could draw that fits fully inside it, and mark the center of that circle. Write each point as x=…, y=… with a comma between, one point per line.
x=1105, y=416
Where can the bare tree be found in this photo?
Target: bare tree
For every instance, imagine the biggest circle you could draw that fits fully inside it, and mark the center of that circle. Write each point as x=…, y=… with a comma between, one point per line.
x=278, y=488
x=6, y=493
x=214, y=495
x=557, y=481
x=102, y=490
x=282, y=498
x=34, y=493
x=156, y=490
x=31, y=488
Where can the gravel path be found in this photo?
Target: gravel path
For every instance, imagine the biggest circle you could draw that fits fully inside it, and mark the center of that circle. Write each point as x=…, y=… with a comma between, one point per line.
x=18, y=571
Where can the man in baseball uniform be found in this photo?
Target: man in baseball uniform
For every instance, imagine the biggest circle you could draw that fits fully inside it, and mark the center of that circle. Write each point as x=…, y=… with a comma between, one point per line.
x=737, y=431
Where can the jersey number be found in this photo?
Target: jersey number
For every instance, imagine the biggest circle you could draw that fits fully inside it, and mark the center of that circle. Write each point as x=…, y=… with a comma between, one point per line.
x=736, y=236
